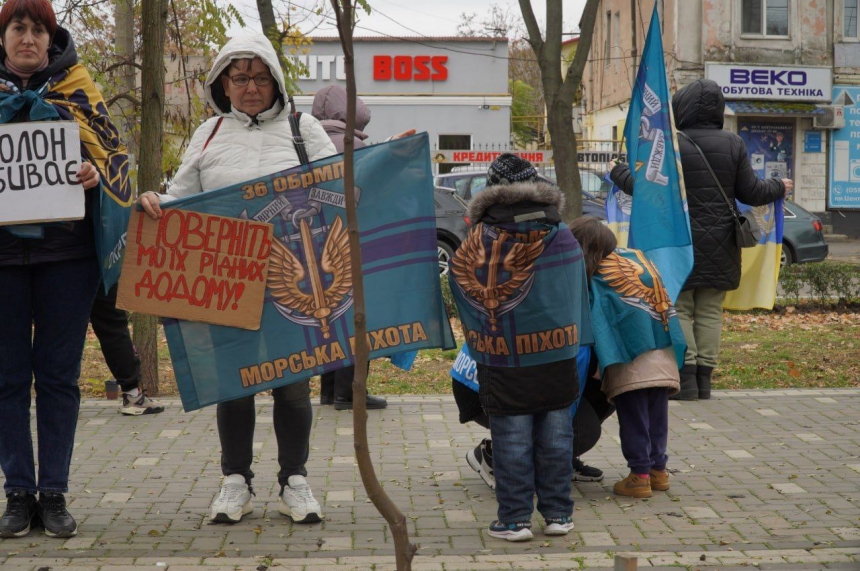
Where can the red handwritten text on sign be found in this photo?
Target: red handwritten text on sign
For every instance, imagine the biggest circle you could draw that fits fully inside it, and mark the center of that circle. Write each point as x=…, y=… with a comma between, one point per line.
x=198, y=267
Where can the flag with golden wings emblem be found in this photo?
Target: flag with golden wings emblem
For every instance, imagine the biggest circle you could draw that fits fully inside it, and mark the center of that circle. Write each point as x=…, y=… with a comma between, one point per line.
x=521, y=292
x=307, y=326
x=631, y=310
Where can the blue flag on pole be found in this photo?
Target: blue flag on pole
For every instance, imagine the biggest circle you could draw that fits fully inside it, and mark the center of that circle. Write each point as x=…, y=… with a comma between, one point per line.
x=307, y=324
x=659, y=222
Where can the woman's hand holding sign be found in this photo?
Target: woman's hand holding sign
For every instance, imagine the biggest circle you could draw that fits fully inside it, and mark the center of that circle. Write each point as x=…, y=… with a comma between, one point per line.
x=151, y=204
x=88, y=175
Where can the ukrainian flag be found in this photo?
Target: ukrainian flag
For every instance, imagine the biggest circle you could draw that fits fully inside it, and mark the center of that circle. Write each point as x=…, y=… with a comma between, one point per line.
x=760, y=264
x=618, y=213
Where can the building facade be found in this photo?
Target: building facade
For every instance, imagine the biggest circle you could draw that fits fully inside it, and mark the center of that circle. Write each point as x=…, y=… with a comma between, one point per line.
x=790, y=73
x=454, y=88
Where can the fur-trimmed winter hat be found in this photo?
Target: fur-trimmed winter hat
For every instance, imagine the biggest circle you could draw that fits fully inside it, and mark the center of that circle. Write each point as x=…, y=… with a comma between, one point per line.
x=509, y=168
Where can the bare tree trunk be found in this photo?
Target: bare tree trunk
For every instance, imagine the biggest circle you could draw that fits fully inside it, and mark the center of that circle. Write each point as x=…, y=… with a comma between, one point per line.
x=560, y=91
x=267, y=16
x=149, y=173
x=123, y=109
x=404, y=550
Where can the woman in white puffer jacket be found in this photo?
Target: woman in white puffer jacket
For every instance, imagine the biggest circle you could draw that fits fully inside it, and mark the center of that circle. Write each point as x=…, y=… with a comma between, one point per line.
x=249, y=137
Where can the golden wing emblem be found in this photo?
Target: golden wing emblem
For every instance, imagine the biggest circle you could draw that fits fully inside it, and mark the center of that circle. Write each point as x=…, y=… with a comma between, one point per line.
x=519, y=262
x=285, y=273
x=336, y=261
x=623, y=275
x=469, y=255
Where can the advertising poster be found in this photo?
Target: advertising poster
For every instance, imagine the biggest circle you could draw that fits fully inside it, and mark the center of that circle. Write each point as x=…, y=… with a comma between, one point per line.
x=769, y=146
x=844, y=189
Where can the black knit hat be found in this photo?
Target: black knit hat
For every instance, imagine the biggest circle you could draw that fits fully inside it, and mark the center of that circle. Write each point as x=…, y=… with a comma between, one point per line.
x=508, y=168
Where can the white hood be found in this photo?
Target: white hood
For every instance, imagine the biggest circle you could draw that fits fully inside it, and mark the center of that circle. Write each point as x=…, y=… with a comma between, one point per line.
x=247, y=44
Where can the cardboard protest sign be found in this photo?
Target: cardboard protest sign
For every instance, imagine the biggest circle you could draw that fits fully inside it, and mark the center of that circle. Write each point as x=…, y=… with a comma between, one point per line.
x=39, y=164
x=195, y=266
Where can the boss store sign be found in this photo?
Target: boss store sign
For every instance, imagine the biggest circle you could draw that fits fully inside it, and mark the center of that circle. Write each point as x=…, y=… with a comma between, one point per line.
x=808, y=84
x=385, y=67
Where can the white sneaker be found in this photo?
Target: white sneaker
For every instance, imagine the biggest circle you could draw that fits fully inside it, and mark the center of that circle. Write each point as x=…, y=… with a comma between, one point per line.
x=297, y=501
x=141, y=404
x=233, y=502
x=558, y=526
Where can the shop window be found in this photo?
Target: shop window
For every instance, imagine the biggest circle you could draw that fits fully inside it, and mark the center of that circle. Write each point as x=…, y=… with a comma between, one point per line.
x=765, y=17
x=849, y=19
x=455, y=142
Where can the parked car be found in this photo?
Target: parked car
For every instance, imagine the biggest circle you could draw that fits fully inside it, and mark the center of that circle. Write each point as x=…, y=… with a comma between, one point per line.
x=802, y=237
x=451, y=224
x=591, y=179
x=468, y=183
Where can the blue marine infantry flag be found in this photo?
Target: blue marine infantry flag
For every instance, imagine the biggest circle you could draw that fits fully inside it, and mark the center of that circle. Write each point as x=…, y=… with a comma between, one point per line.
x=307, y=322
x=760, y=264
x=659, y=222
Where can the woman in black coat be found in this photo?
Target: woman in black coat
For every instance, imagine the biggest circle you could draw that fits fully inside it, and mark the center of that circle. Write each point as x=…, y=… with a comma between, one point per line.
x=698, y=110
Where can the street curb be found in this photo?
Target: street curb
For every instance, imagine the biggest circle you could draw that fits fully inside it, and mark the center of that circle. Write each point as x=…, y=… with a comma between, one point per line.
x=832, y=238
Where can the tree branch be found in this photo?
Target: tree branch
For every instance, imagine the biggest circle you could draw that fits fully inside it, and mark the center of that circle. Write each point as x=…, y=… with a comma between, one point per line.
x=583, y=46
x=130, y=98
x=534, y=38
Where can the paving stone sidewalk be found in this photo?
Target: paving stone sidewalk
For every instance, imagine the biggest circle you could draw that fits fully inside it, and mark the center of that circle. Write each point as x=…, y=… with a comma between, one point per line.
x=766, y=478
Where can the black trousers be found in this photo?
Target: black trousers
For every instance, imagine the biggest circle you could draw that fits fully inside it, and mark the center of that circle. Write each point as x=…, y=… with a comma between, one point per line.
x=292, y=418
x=111, y=328
x=339, y=383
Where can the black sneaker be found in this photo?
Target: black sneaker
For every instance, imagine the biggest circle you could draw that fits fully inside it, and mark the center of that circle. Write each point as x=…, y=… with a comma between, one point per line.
x=20, y=511
x=584, y=473
x=56, y=519
x=481, y=461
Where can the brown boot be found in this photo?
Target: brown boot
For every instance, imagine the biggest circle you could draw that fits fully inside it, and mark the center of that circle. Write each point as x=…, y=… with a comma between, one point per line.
x=633, y=486
x=659, y=480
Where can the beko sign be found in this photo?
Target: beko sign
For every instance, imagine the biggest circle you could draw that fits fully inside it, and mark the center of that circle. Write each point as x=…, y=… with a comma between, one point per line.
x=812, y=84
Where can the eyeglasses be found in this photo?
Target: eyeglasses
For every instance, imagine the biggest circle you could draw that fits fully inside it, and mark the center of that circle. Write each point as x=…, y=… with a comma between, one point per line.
x=243, y=80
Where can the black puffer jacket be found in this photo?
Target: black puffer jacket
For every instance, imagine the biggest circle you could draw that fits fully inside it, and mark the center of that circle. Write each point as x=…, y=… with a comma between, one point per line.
x=698, y=110
x=62, y=240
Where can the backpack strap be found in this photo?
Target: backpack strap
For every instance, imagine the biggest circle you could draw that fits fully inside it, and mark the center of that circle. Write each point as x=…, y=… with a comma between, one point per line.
x=298, y=141
x=212, y=134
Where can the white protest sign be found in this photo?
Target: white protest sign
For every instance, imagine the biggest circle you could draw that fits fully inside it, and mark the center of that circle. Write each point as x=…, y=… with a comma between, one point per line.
x=39, y=164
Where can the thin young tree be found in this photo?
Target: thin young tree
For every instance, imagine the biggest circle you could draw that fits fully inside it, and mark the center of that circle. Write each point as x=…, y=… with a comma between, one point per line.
x=403, y=549
x=154, y=22
x=559, y=92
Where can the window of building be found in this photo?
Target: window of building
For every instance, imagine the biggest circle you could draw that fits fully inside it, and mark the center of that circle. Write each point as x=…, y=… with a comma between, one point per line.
x=607, y=47
x=765, y=17
x=849, y=18
x=454, y=143
x=616, y=42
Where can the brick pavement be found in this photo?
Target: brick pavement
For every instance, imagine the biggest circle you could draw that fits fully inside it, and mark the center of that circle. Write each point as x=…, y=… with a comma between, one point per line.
x=768, y=478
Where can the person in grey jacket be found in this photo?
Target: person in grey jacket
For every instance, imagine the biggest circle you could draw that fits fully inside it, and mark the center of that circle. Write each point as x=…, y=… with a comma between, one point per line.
x=698, y=110
x=329, y=108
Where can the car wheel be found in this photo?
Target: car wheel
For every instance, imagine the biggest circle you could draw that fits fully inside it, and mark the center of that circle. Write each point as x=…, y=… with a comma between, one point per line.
x=787, y=257
x=446, y=252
